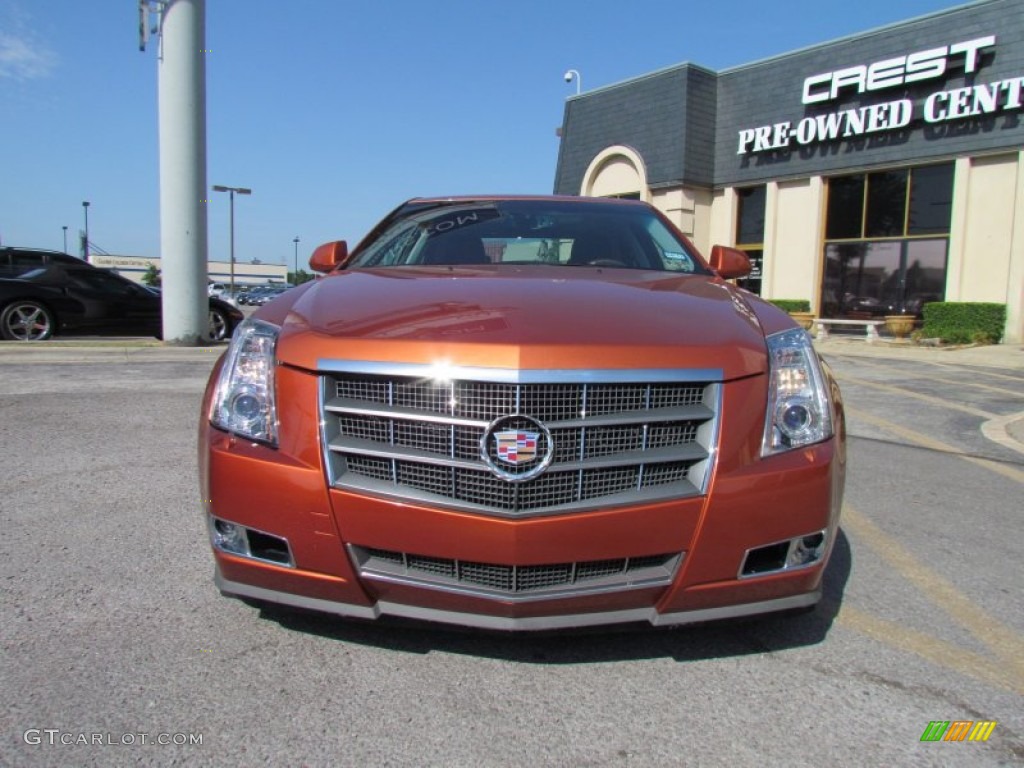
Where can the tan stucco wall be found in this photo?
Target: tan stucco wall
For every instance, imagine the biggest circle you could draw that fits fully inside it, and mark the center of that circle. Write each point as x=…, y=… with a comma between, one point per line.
x=792, y=240
x=721, y=220
x=617, y=170
x=616, y=177
x=688, y=209
x=986, y=248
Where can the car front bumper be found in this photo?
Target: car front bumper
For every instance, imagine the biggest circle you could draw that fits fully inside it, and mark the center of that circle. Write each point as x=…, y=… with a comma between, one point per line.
x=752, y=504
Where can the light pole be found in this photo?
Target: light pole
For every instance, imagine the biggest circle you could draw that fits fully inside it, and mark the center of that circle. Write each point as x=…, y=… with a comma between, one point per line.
x=572, y=74
x=65, y=228
x=296, y=241
x=231, y=191
x=85, y=207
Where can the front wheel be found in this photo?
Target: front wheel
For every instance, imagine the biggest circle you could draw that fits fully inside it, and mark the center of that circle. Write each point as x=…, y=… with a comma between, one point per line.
x=26, y=320
x=220, y=325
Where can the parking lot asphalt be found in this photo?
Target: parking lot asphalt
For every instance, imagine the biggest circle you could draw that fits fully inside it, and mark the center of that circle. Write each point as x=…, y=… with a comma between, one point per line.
x=1008, y=430
x=113, y=628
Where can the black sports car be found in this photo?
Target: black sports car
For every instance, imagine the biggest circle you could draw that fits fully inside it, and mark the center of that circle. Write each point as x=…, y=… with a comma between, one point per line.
x=68, y=297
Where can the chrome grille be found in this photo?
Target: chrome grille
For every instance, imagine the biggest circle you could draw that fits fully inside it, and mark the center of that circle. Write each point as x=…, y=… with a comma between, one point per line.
x=638, y=437
x=536, y=581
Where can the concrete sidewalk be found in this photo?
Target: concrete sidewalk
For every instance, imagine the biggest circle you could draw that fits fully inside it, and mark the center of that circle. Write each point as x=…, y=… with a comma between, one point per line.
x=1009, y=356
x=103, y=350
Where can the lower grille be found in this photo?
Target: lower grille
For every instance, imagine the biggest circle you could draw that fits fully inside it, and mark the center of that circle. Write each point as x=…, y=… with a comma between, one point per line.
x=537, y=581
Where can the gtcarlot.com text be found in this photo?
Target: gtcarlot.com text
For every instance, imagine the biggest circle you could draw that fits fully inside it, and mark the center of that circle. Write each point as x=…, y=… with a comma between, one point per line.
x=57, y=737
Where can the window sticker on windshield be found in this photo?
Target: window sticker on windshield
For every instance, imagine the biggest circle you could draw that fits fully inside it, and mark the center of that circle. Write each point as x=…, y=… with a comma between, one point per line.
x=681, y=261
x=459, y=220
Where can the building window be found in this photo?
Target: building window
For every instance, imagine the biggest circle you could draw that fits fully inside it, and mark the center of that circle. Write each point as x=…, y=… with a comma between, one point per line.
x=750, y=233
x=886, y=241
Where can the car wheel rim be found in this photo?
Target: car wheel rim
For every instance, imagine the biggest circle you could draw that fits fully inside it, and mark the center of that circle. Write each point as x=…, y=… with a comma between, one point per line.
x=218, y=326
x=28, y=323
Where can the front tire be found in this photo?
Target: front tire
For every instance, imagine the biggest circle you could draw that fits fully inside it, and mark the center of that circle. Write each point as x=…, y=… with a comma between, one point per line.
x=26, y=320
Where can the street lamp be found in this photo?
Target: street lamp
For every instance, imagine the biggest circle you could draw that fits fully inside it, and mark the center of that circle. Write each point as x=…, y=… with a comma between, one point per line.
x=571, y=75
x=85, y=207
x=296, y=241
x=232, y=190
x=65, y=228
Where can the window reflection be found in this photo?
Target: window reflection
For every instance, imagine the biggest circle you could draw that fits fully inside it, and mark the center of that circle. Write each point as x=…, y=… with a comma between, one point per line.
x=871, y=279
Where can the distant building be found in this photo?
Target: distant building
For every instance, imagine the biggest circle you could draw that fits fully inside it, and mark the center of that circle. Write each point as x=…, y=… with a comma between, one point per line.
x=870, y=174
x=135, y=267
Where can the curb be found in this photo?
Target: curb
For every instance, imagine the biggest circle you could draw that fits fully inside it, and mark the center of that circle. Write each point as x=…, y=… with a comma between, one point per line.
x=102, y=352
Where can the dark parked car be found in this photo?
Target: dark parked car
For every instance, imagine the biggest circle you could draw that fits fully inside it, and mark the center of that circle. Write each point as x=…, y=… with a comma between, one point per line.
x=44, y=293
x=16, y=261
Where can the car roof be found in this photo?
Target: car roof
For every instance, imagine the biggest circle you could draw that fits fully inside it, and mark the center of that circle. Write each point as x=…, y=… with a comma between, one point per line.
x=550, y=198
x=55, y=256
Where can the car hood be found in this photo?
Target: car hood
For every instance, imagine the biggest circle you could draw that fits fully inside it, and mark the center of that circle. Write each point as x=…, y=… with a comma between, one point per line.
x=551, y=318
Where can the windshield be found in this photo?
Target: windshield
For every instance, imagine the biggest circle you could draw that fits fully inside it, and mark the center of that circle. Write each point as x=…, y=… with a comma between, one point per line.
x=556, y=233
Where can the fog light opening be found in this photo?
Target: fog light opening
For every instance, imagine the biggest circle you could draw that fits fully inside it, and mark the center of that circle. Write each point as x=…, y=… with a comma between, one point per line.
x=800, y=552
x=263, y=546
x=238, y=540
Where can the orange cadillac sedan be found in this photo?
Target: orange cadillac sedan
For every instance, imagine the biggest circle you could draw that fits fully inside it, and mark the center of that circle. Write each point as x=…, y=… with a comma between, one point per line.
x=523, y=413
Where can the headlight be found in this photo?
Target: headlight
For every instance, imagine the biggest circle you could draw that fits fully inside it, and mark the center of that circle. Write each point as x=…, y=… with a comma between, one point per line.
x=243, y=401
x=799, y=411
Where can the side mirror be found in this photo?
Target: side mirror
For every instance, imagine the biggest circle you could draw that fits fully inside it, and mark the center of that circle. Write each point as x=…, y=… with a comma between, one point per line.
x=328, y=256
x=729, y=262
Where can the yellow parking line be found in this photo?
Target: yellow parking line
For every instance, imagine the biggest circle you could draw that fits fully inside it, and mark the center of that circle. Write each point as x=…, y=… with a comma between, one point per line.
x=904, y=392
x=917, y=438
x=927, y=647
x=1005, y=643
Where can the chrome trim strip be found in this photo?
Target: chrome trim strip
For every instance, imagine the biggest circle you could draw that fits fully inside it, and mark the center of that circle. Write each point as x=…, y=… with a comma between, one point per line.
x=518, y=376
x=332, y=406
x=526, y=623
x=737, y=611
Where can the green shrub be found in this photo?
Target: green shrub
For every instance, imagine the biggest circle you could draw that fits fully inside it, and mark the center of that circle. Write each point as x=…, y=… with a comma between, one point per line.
x=964, y=322
x=792, y=305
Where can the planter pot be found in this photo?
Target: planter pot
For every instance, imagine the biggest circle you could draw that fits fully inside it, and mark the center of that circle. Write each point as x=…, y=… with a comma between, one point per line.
x=806, y=319
x=900, y=326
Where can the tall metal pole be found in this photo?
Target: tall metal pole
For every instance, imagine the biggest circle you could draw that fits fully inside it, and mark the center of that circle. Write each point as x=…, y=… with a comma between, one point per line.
x=232, y=227
x=183, y=248
x=296, y=241
x=85, y=250
x=65, y=228
x=231, y=191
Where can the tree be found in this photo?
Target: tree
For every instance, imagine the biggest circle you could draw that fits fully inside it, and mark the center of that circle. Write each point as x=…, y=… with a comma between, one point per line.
x=152, y=277
x=300, y=277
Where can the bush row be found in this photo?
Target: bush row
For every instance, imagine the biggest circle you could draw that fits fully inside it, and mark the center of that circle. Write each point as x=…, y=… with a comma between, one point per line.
x=792, y=305
x=956, y=322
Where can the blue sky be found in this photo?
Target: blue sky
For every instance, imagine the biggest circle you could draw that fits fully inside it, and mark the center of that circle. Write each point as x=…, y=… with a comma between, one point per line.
x=335, y=111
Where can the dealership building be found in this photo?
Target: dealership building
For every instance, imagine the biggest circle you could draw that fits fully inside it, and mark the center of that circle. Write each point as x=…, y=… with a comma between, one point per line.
x=869, y=175
x=245, y=273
